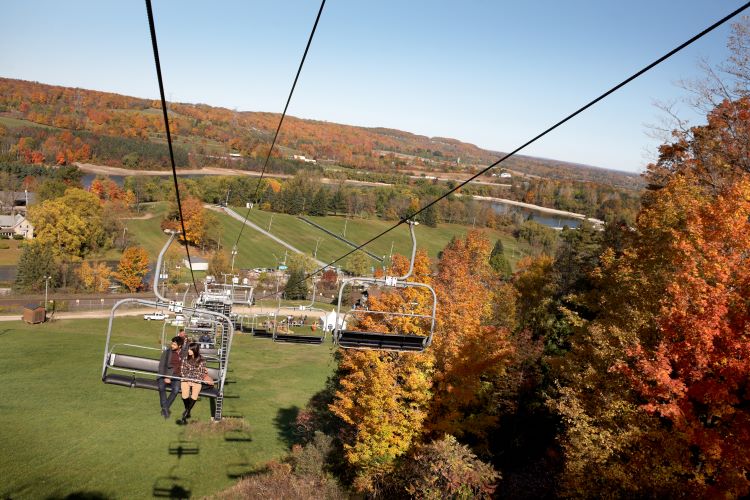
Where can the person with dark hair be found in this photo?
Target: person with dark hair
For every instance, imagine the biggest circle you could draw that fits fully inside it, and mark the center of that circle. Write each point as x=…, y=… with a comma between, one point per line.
x=170, y=365
x=193, y=373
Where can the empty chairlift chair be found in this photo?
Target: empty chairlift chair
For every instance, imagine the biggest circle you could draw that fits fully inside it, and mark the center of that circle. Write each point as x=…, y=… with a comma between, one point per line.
x=283, y=331
x=410, y=329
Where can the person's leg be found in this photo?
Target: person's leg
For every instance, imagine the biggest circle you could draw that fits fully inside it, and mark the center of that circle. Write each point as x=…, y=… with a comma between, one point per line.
x=195, y=390
x=163, y=397
x=175, y=385
x=185, y=386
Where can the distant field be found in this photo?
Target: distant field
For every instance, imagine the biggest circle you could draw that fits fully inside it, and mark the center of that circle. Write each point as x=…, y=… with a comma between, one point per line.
x=14, y=122
x=66, y=434
x=9, y=256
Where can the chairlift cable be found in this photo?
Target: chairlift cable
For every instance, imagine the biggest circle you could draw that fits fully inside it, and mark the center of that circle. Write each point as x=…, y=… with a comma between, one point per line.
x=281, y=120
x=534, y=139
x=169, y=136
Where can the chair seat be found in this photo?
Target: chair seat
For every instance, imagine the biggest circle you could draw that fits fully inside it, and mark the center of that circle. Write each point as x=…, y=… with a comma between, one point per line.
x=381, y=341
x=150, y=383
x=298, y=339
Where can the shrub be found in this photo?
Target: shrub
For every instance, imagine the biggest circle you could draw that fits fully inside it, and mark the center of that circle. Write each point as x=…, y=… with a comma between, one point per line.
x=18, y=237
x=311, y=459
x=446, y=469
x=278, y=481
x=4, y=246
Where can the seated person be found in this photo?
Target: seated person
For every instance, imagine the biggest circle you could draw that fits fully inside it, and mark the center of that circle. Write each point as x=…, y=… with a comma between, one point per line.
x=205, y=339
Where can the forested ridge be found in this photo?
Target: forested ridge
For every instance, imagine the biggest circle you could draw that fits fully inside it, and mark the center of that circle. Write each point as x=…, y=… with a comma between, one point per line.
x=208, y=131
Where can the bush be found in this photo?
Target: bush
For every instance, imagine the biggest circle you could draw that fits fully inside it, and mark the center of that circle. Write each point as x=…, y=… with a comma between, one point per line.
x=446, y=469
x=278, y=481
x=18, y=237
x=4, y=246
x=311, y=459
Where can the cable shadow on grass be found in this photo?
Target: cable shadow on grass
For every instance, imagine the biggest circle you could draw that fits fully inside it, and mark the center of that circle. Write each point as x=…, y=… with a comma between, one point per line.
x=286, y=422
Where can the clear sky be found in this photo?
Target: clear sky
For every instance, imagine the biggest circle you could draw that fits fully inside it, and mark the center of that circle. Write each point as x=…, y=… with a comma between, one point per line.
x=492, y=73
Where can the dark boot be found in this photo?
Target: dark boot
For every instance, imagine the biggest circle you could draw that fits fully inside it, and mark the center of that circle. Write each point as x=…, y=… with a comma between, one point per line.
x=186, y=413
x=190, y=404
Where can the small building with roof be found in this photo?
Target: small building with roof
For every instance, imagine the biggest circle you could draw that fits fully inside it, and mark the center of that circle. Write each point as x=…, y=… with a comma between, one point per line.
x=12, y=225
x=198, y=263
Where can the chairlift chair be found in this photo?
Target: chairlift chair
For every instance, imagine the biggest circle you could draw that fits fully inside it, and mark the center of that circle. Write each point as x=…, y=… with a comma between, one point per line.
x=347, y=337
x=290, y=337
x=137, y=366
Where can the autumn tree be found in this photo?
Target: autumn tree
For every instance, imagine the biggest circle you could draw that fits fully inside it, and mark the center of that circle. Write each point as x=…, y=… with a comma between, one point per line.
x=133, y=267
x=652, y=394
x=193, y=219
x=357, y=264
x=71, y=225
x=470, y=352
x=95, y=277
x=219, y=264
x=382, y=397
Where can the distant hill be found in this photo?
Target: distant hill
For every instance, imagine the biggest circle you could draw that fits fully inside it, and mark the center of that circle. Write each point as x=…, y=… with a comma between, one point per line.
x=128, y=131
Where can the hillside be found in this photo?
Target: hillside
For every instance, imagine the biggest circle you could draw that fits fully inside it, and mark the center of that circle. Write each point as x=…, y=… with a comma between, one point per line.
x=127, y=131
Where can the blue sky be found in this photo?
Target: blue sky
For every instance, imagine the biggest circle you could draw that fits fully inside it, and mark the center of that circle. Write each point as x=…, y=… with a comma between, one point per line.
x=492, y=73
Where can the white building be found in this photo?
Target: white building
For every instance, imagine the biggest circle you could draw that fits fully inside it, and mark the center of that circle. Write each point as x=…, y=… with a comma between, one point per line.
x=199, y=263
x=303, y=158
x=11, y=225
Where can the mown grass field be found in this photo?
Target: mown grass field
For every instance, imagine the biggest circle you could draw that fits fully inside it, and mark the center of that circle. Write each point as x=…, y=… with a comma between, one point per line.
x=304, y=236
x=64, y=432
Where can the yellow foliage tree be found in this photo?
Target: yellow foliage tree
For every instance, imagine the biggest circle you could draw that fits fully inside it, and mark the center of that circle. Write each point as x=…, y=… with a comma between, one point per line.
x=383, y=397
x=71, y=225
x=95, y=277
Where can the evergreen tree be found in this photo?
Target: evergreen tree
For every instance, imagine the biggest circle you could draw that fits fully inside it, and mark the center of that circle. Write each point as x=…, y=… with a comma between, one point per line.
x=320, y=203
x=498, y=261
x=296, y=285
x=35, y=263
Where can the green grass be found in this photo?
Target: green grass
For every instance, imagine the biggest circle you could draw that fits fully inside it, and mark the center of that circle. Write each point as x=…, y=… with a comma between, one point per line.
x=65, y=432
x=9, y=256
x=304, y=236
x=147, y=232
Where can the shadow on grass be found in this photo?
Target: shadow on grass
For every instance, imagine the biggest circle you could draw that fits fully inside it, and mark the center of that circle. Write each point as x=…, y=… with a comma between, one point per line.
x=239, y=470
x=171, y=487
x=285, y=421
x=81, y=495
x=237, y=436
x=182, y=448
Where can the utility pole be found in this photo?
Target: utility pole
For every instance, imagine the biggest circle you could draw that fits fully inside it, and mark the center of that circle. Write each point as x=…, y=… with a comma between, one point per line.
x=315, y=253
x=270, y=222
x=234, y=254
x=345, y=223
x=46, y=282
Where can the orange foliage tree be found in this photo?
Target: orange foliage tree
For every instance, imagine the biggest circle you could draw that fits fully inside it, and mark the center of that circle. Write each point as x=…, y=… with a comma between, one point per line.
x=696, y=375
x=470, y=353
x=193, y=218
x=133, y=268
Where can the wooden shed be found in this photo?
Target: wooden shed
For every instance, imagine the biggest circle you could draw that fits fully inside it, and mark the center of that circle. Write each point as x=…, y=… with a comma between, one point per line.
x=34, y=313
